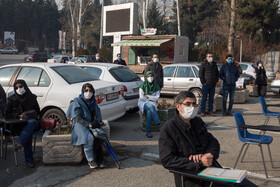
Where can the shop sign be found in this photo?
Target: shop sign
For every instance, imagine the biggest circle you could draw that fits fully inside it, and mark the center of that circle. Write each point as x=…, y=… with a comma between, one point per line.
x=148, y=31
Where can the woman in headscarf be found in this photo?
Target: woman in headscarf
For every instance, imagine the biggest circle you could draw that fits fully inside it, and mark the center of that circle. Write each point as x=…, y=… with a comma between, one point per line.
x=261, y=78
x=86, y=115
x=23, y=105
x=149, y=92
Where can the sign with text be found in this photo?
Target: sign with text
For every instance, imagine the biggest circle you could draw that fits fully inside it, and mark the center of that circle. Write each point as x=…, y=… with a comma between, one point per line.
x=148, y=31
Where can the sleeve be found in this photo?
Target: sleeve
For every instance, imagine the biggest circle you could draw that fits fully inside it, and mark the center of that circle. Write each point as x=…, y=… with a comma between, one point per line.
x=213, y=146
x=141, y=95
x=169, y=157
x=161, y=78
x=155, y=97
x=147, y=68
x=217, y=74
x=237, y=74
x=98, y=115
x=81, y=121
x=222, y=74
x=9, y=108
x=201, y=74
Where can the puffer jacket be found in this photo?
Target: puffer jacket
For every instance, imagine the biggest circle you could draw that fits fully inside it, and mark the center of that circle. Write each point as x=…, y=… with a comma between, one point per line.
x=208, y=73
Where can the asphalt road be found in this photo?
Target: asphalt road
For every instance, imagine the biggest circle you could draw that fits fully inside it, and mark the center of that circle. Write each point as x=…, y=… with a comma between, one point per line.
x=11, y=59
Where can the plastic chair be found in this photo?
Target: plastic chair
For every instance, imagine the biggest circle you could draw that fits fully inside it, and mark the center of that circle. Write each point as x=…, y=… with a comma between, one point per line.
x=267, y=113
x=248, y=138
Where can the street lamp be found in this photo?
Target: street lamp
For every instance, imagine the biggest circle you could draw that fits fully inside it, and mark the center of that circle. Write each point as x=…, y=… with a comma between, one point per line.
x=238, y=37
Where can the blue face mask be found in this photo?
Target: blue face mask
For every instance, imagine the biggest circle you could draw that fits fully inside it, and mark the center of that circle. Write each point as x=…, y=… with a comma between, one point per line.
x=229, y=61
x=120, y=57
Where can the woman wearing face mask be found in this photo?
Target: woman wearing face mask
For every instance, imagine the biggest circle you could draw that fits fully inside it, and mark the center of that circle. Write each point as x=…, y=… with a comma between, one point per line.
x=149, y=92
x=85, y=115
x=261, y=78
x=23, y=105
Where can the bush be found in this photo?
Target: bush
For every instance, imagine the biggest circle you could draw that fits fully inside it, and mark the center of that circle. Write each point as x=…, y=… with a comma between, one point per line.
x=21, y=45
x=106, y=53
x=82, y=51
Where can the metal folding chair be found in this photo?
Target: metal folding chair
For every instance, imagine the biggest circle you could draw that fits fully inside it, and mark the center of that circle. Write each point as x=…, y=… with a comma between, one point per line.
x=106, y=143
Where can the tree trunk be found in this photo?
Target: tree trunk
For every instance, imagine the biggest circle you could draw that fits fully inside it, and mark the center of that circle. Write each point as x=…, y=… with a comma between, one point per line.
x=79, y=25
x=232, y=28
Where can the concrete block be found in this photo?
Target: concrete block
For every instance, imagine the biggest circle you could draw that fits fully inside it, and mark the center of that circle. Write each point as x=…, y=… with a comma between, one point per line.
x=217, y=104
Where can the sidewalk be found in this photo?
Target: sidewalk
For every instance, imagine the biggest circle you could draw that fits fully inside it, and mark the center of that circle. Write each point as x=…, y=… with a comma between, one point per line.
x=139, y=156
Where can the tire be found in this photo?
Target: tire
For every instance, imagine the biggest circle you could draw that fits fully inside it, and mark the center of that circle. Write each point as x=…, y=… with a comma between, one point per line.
x=56, y=114
x=197, y=92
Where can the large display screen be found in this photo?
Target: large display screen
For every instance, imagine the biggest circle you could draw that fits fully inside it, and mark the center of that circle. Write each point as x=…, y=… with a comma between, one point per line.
x=118, y=20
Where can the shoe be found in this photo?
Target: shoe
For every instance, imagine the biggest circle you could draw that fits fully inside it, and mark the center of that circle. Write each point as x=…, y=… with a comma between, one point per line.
x=18, y=147
x=159, y=125
x=149, y=135
x=202, y=114
x=102, y=165
x=30, y=165
x=211, y=113
x=229, y=113
x=224, y=113
x=92, y=164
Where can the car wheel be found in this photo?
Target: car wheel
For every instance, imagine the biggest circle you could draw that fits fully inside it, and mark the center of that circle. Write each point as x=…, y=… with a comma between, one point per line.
x=56, y=114
x=197, y=92
x=134, y=110
x=0, y=52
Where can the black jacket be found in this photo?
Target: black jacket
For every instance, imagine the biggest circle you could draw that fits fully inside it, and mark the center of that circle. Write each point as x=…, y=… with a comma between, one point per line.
x=229, y=74
x=261, y=76
x=156, y=68
x=121, y=62
x=177, y=143
x=25, y=104
x=209, y=73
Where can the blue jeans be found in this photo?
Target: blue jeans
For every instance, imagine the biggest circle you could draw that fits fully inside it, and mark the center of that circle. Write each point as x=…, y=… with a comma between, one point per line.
x=151, y=114
x=88, y=148
x=228, y=89
x=207, y=90
x=25, y=138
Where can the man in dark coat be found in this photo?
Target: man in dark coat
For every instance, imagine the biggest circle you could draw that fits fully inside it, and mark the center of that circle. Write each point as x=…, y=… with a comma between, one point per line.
x=229, y=74
x=98, y=58
x=119, y=60
x=156, y=68
x=186, y=145
x=209, y=76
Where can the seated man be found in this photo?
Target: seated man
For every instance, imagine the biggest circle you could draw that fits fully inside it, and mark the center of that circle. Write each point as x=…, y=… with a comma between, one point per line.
x=185, y=143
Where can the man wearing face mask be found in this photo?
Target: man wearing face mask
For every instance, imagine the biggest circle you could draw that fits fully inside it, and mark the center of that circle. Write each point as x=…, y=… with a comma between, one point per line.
x=209, y=76
x=98, y=59
x=156, y=68
x=229, y=74
x=119, y=60
x=23, y=105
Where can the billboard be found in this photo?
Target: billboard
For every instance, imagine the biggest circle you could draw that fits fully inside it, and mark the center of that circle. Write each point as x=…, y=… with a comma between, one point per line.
x=120, y=19
x=9, y=37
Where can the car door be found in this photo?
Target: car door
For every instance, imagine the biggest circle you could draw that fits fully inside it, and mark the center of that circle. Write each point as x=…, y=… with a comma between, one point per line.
x=38, y=82
x=197, y=79
x=184, y=79
x=168, y=82
x=6, y=74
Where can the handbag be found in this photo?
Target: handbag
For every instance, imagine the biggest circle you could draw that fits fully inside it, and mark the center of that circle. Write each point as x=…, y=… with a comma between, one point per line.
x=48, y=123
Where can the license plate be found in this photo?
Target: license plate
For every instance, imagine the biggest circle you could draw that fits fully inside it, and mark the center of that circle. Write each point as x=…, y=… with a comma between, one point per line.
x=112, y=96
x=136, y=90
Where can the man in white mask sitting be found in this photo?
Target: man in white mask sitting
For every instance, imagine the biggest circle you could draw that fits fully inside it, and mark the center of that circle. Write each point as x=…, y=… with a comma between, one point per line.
x=185, y=144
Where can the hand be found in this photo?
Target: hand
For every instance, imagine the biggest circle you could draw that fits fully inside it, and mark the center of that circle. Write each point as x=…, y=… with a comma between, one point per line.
x=207, y=159
x=195, y=158
x=146, y=96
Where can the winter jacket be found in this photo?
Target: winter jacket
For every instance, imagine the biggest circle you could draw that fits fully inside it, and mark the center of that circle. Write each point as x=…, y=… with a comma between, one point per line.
x=229, y=74
x=156, y=68
x=120, y=62
x=261, y=77
x=177, y=142
x=208, y=73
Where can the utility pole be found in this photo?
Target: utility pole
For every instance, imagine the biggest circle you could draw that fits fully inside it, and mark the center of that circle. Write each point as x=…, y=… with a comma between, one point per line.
x=178, y=19
x=101, y=27
x=144, y=15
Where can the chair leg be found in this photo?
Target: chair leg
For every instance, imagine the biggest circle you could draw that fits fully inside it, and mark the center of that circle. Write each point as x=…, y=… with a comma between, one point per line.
x=278, y=120
x=242, y=158
x=239, y=155
x=268, y=147
x=15, y=153
x=266, y=120
x=263, y=161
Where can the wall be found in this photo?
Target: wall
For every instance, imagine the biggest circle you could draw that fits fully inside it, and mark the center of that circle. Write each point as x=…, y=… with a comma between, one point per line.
x=271, y=60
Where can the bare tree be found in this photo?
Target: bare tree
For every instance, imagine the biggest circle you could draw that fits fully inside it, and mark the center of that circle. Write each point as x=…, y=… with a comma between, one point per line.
x=232, y=27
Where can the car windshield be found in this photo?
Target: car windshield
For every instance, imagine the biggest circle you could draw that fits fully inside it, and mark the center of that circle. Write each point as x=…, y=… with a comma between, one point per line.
x=56, y=57
x=73, y=74
x=124, y=75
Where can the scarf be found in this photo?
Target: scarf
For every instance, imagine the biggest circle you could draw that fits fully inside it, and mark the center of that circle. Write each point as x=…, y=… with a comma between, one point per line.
x=149, y=88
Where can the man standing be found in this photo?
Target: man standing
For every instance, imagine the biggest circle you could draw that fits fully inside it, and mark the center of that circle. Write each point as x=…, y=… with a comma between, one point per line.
x=156, y=68
x=119, y=60
x=209, y=76
x=98, y=59
x=229, y=74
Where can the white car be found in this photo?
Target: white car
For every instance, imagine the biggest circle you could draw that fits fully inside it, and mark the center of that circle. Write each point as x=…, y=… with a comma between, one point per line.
x=119, y=74
x=77, y=60
x=250, y=68
x=8, y=50
x=59, y=59
x=275, y=86
x=57, y=84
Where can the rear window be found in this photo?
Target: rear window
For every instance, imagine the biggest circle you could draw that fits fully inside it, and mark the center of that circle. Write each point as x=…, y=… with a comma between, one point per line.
x=73, y=74
x=124, y=75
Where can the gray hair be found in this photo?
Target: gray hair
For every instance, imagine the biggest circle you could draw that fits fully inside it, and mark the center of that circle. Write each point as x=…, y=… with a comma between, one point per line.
x=184, y=95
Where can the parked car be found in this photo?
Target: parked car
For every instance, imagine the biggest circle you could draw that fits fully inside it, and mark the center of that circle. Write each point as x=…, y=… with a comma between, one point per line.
x=59, y=59
x=181, y=77
x=120, y=74
x=57, y=84
x=275, y=86
x=8, y=50
x=37, y=57
x=77, y=60
x=269, y=74
x=90, y=58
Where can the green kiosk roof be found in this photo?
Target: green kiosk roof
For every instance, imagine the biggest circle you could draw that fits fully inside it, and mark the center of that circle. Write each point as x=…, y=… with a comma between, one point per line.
x=141, y=43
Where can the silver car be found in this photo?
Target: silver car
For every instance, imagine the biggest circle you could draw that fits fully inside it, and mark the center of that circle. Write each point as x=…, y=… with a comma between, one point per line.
x=275, y=86
x=8, y=50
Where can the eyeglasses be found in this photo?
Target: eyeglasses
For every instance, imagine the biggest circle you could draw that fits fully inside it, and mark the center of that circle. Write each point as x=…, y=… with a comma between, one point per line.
x=18, y=87
x=190, y=103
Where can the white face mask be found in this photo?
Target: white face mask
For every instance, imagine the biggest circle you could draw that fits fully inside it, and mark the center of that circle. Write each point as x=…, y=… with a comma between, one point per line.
x=88, y=95
x=260, y=65
x=97, y=58
x=189, y=112
x=156, y=60
x=150, y=79
x=20, y=91
x=210, y=59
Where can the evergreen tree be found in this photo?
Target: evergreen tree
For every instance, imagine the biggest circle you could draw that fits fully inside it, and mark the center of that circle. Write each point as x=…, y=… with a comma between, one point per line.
x=155, y=18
